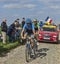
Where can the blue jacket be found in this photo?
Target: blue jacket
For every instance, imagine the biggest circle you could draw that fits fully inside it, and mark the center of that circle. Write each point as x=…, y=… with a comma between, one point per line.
x=11, y=29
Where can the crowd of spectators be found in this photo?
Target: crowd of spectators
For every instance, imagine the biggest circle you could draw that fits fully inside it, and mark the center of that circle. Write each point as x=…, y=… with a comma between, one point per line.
x=12, y=32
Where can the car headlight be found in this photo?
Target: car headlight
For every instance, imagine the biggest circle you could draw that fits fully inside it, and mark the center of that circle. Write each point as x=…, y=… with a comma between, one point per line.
x=40, y=35
x=55, y=36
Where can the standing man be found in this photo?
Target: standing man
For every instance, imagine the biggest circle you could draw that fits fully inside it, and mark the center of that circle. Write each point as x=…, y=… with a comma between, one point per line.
x=11, y=32
x=18, y=29
x=23, y=22
x=4, y=30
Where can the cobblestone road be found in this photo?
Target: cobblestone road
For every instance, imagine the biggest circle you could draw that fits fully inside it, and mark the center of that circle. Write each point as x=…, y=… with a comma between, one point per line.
x=47, y=54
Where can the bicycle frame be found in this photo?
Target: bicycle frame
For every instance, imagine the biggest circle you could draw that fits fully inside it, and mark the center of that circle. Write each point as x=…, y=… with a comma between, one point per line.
x=29, y=48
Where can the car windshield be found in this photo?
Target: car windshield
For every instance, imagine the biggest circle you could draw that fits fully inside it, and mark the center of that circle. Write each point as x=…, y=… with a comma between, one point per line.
x=49, y=29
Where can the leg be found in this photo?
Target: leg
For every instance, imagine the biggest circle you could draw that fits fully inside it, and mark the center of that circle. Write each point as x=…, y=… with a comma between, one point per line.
x=32, y=43
x=24, y=38
x=4, y=37
x=25, y=35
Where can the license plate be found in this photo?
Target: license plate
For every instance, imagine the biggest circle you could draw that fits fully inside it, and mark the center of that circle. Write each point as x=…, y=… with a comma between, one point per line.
x=46, y=38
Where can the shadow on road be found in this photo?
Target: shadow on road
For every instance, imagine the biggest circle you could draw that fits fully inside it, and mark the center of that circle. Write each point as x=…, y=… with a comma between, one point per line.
x=43, y=49
x=41, y=53
x=50, y=42
x=3, y=51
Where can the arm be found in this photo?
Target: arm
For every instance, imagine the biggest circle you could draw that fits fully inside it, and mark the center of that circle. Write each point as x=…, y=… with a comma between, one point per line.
x=23, y=30
x=38, y=28
x=33, y=29
x=19, y=28
x=22, y=33
x=1, y=25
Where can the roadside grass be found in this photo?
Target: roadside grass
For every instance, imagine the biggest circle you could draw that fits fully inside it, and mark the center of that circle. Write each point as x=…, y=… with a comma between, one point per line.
x=10, y=45
x=5, y=48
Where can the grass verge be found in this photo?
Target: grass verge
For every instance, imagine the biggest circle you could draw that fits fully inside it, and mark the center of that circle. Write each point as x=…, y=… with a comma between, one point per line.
x=4, y=48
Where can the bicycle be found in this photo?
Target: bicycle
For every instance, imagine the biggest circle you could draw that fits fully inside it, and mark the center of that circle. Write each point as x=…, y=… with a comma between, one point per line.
x=29, y=51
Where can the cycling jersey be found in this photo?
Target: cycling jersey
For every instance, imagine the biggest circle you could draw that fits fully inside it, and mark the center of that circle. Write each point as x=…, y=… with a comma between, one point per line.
x=28, y=29
x=36, y=26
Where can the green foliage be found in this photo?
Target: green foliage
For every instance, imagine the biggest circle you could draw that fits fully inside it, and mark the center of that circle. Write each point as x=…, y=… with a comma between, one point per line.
x=5, y=48
x=9, y=46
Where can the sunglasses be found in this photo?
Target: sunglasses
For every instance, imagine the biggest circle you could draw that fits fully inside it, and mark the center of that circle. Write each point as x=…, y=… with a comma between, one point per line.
x=28, y=23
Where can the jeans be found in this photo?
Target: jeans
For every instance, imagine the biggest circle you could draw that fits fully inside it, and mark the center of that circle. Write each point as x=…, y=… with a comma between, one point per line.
x=12, y=38
x=17, y=34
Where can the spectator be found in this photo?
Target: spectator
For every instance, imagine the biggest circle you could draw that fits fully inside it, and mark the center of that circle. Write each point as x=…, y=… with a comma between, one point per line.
x=17, y=19
x=11, y=32
x=14, y=31
x=18, y=29
x=23, y=22
x=4, y=30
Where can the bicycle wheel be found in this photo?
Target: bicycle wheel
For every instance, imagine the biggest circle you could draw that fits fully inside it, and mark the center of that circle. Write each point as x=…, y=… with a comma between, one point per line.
x=27, y=54
x=34, y=56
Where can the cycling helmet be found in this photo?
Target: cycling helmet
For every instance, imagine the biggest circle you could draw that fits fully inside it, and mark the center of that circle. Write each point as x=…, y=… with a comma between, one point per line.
x=34, y=20
x=28, y=20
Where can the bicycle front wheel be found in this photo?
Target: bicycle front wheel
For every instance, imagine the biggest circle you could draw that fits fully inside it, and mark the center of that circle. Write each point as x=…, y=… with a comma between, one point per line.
x=27, y=55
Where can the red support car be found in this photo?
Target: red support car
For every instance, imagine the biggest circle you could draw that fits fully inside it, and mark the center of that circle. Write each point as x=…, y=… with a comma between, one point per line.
x=49, y=33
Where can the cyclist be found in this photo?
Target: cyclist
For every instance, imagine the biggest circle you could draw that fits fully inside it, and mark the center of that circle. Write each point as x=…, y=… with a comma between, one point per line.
x=37, y=29
x=28, y=29
x=36, y=26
